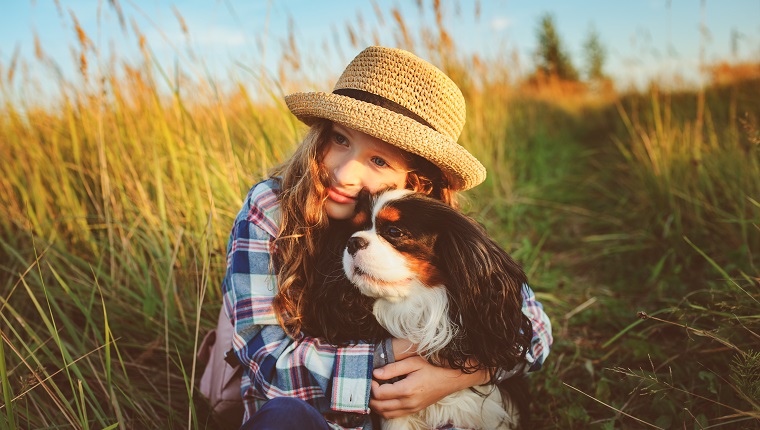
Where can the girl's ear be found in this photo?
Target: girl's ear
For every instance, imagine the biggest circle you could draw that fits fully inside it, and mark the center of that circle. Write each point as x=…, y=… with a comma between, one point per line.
x=485, y=295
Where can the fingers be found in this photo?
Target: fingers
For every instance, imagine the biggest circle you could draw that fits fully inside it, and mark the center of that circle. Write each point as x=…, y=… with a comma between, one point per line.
x=387, y=402
x=423, y=385
x=397, y=391
x=399, y=368
x=402, y=397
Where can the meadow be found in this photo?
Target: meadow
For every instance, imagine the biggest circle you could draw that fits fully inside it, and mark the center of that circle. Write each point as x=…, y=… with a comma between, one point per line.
x=636, y=215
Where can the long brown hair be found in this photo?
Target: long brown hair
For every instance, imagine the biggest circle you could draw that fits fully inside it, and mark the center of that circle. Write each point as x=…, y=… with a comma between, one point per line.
x=304, y=222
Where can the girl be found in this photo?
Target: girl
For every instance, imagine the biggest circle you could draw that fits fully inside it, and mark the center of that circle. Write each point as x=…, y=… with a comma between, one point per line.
x=393, y=120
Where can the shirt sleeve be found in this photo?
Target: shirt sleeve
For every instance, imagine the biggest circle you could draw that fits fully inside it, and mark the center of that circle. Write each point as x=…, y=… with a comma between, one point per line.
x=326, y=376
x=542, y=330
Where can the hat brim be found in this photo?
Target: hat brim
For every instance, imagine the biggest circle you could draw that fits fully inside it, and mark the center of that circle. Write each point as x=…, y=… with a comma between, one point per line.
x=463, y=169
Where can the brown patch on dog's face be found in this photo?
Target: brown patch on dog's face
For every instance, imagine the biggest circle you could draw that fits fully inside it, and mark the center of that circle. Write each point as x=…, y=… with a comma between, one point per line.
x=360, y=220
x=412, y=237
x=425, y=270
x=389, y=214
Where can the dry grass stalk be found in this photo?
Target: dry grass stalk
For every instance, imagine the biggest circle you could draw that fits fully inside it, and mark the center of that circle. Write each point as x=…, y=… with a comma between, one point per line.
x=38, y=52
x=352, y=36
x=13, y=65
x=182, y=23
x=404, y=39
x=378, y=13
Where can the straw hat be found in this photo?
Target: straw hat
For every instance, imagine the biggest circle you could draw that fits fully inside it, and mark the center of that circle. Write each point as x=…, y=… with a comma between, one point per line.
x=401, y=99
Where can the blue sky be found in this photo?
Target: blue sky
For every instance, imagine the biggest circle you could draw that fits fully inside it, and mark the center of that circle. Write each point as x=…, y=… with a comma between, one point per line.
x=646, y=39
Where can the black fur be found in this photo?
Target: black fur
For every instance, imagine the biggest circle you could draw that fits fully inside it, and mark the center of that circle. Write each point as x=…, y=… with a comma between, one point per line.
x=333, y=308
x=484, y=285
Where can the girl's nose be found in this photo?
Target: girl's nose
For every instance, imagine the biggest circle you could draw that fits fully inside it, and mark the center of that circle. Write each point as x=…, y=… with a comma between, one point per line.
x=349, y=172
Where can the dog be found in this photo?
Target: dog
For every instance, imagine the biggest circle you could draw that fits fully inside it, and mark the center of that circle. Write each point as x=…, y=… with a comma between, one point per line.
x=438, y=280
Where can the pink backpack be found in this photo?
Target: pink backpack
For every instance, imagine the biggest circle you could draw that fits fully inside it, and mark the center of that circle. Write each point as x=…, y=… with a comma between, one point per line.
x=220, y=382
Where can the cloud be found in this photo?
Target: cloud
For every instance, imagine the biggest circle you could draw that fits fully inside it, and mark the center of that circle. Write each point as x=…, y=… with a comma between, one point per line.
x=209, y=37
x=499, y=23
x=218, y=36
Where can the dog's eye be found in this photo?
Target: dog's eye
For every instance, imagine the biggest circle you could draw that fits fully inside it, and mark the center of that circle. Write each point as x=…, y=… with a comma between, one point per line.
x=394, y=232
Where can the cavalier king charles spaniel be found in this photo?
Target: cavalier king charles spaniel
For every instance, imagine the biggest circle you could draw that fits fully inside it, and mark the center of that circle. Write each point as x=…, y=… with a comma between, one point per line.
x=420, y=270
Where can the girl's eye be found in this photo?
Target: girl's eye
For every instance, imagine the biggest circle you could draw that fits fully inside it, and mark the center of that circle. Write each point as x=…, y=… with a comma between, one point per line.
x=394, y=232
x=379, y=162
x=340, y=139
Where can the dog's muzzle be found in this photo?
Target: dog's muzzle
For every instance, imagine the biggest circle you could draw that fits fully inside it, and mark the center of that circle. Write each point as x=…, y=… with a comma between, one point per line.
x=355, y=244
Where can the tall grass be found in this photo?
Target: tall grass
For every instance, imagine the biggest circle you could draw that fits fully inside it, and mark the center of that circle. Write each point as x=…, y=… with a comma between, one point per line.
x=118, y=195
x=116, y=209
x=678, y=191
x=694, y=176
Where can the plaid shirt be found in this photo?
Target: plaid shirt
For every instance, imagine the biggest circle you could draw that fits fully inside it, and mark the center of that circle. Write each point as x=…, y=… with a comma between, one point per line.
x=335, y=380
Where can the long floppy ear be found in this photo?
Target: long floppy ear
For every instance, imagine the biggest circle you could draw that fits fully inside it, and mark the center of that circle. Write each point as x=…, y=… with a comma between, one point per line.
x=485, y=294
x=333, y=308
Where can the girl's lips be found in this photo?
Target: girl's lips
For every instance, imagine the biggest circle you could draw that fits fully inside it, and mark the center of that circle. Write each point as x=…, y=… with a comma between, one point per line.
x=339, y=197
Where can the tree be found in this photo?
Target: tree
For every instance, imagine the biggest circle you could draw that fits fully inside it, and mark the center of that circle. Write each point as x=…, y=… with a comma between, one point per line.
x=595, y=54
x=552, y=59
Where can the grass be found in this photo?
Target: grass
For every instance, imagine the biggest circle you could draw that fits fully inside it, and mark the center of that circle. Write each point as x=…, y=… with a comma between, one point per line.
x=118, y=211
x=120, y=194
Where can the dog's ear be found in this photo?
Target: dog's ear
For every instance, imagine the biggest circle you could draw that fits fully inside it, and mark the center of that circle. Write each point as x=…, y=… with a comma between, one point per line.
x=332, y=308
x=363, y=210
x=485, y=295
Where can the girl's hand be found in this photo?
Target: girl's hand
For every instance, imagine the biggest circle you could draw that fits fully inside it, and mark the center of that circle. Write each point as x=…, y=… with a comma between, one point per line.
x=424, y=385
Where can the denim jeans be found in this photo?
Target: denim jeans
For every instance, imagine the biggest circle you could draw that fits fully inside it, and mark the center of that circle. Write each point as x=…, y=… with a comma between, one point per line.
x=286, y=413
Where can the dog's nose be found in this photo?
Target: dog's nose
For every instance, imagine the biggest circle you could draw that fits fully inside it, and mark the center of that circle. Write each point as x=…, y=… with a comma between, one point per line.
x=355, y=244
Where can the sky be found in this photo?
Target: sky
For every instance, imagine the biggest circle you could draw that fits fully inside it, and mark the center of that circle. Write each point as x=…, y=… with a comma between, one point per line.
x=645, y=39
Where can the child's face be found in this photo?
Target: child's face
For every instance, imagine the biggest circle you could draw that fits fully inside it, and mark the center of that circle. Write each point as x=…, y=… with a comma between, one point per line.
x=355, y=160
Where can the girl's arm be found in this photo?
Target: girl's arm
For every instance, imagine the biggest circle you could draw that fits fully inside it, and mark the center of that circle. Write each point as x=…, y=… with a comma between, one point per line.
x=426, y=384
x=328, y=377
